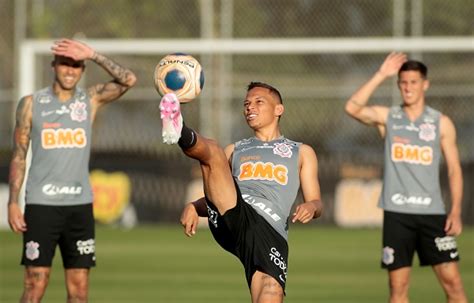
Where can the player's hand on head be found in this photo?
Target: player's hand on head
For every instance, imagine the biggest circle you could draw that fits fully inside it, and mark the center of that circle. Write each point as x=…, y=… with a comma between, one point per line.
x=72, y=49
x=392, y=64
x=304, y=212
x=16, y=219
x=189, y=219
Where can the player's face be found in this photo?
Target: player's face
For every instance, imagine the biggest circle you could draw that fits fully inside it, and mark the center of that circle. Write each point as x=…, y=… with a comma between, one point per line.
x=261, y=108
x=68, y=72
x=412, y=87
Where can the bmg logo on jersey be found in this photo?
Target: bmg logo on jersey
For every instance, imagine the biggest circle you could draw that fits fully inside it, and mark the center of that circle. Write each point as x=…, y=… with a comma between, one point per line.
x=412, y=154
x=86, y=247
x=63, y=138
x=264, y=171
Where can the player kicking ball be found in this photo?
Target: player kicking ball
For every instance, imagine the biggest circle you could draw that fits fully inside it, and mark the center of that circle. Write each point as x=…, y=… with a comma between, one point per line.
x=250, y=187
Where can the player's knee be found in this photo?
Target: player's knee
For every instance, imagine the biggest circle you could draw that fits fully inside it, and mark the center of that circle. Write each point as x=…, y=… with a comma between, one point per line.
x=271, y=292
x=216, y=152
x=77, y=292
x=36, y=278
x=274, y=295
x=77, y=285
x=212, y=144
x=454, y=287
x=77, y=298
x=450, y=280
x=35, y=284
x=32, y=294
x=399, y=288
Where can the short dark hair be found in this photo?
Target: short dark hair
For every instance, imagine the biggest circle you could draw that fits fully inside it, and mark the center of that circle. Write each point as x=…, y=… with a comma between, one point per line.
x=267, y=86
x=412, y=65
x=70, y=61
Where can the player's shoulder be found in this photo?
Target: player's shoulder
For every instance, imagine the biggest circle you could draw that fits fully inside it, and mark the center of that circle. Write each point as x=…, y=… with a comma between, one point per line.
x=305, y=149
x=229, y=151
x=431, y=115
x=244, y=142
x=42, y=96
x=393, y=108
x=290, y=142
x=432, y=112
x=27, y=98
x=307, y=155
x=229, y=148
x=24, y=109
x=45, y=91
x=25, y=102
x=394, y=112
x=445, y=123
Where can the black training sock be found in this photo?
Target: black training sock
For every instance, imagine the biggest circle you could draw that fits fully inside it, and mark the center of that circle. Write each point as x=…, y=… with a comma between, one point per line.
x=188, y=138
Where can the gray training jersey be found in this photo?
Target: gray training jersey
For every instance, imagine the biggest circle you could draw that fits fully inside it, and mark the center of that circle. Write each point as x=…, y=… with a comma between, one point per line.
x=60, y=142
x=268, y=177
x=412, y=157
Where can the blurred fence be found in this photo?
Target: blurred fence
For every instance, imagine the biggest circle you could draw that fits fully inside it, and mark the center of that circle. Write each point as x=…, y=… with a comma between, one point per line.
x=314, y=86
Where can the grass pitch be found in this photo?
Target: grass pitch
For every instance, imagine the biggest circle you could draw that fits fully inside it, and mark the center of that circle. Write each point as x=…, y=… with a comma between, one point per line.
x=160, y=264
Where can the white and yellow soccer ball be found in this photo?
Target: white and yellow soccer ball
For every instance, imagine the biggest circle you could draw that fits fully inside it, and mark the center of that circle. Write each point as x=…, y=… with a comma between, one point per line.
x=180, y=74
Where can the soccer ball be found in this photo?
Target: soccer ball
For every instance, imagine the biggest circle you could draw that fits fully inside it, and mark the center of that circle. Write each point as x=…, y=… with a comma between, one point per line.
x=180, y=74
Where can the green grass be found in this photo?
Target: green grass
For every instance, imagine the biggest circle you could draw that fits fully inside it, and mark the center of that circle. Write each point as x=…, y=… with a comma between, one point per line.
x=159, y=264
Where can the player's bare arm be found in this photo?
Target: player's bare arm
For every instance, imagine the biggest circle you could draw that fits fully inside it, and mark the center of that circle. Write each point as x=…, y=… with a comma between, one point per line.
x=190, y=215
x=193, y=210
x=312, y=207
x=123, y=78
x=357, y=106
x=21, y=141
x=229, y=150
x=450, y=151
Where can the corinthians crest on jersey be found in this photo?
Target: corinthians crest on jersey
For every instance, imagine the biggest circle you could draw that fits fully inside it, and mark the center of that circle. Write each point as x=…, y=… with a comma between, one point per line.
x=427, y=132
x=78, y=111
x=283, y=150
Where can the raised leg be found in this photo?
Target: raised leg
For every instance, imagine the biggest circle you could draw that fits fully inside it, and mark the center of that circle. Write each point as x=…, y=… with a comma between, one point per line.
x=217, y=177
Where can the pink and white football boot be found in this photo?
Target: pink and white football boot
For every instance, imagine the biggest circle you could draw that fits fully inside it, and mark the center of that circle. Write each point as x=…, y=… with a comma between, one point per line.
x=171, y=119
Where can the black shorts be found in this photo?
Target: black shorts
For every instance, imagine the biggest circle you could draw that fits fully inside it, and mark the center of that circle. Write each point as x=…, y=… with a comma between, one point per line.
x=247, y=235
x=403, y=234
x=70, y=227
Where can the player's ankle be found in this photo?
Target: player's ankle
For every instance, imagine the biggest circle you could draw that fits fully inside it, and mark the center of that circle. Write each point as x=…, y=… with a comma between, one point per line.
x=188, y=138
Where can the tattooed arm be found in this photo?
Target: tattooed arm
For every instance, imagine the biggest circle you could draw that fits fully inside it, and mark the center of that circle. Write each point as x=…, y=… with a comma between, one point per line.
x=124, y=79
x=102, y=93
x=21, y=141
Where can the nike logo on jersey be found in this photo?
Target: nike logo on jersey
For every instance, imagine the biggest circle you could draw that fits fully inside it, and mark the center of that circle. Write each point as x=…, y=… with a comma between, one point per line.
x=62, y=111
x=47, y=113
x=410, y=127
